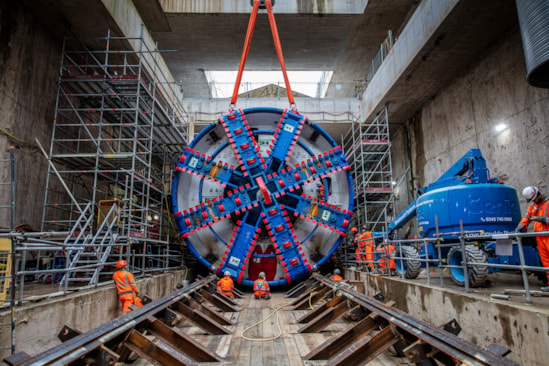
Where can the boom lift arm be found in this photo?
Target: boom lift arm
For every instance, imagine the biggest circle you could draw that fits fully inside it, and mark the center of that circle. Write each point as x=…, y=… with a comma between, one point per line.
x=470, y=169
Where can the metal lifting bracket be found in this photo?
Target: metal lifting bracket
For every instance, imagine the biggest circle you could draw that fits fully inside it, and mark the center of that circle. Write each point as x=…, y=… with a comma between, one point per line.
x=262, y=3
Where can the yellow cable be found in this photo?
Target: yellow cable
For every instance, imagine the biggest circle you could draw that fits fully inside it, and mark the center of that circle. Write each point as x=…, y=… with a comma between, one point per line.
x=275, y=311
x=310, y=298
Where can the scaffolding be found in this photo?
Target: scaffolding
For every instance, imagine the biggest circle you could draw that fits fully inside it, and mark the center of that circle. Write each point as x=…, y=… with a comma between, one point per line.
x=7, y=248
x=368, y=150
x=119, y=128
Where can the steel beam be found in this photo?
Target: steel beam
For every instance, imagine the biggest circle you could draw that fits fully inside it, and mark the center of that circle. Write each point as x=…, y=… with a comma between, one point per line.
x=311, y=298
x=366, y=349
x=182, y=342
x=201, y=320
x=325, y=318
x=342, y=340
x=319, y=310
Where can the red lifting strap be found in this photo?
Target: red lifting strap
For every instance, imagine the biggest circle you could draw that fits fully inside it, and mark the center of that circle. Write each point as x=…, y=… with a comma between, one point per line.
x=248, y=41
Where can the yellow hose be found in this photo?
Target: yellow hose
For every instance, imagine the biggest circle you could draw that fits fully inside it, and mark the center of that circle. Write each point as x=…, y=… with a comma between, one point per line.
x=275, y=311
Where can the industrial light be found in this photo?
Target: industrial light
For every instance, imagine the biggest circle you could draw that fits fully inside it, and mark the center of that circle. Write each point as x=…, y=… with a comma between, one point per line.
x=394, y=183
x=501, y=127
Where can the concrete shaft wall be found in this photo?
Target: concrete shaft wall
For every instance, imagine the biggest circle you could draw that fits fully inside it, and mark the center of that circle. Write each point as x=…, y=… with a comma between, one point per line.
x=37, y=324
x=464, y=116
x=28, y=74
x=518, y=327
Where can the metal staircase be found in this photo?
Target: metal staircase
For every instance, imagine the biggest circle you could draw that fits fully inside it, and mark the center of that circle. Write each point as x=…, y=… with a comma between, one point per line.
x=87, y=253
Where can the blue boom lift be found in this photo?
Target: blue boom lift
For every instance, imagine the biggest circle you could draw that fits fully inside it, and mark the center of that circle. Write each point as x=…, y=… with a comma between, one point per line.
x=466, y=195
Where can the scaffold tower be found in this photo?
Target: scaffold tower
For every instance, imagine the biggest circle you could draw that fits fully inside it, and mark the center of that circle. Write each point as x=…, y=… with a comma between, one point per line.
x=368, y=149
x=119, y=128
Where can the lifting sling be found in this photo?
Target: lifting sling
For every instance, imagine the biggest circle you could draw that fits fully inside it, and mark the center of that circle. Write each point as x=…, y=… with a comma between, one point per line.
x=247, y=42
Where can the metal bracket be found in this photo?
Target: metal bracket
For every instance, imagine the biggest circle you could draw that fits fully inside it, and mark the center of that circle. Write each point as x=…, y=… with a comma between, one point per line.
x=453, y=327
x=262, y=3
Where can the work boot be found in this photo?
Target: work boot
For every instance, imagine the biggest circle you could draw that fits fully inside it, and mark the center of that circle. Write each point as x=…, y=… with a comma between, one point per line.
x=544, y=289
x=267, y=297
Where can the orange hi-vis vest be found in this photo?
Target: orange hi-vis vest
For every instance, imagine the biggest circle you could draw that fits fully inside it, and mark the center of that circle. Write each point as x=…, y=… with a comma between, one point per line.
x=365, y=249
x=125, y=283
x=261, y=285
x=225, y=285
x=336, y=277
x=537, y=210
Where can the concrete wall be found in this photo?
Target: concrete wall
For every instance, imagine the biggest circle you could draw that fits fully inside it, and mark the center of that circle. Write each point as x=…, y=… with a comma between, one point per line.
x=28, y=72
x=37, y=324
x=524, y=330
x=464, y=116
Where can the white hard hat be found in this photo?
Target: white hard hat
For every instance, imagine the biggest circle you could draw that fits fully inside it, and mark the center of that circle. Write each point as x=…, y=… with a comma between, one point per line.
x=261, y=274
x=226, y=273
x=337, y=271
x=530, y=193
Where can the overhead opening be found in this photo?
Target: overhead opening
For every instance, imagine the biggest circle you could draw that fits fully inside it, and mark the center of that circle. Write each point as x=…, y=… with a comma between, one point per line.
x=309, y=83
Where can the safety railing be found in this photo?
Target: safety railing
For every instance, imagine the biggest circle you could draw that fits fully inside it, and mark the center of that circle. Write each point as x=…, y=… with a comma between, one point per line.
x=384, y=49
x=469, y=258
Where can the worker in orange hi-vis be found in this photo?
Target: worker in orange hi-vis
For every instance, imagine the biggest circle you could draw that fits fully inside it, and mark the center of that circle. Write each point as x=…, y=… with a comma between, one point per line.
x=359, y=250
x=365, y=249
x=336, y=277
x=225, y=285
x=368, y=240
x=386, y=252
x=355, y=243
x=261, y=287
x=538, y=212
x=127, y=289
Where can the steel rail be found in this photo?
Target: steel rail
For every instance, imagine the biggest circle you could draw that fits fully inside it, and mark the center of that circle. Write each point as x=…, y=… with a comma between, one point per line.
x=447, y=343
x=76, y=347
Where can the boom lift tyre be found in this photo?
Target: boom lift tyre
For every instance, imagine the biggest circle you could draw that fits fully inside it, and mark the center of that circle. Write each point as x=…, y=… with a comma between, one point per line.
x=410, y=266
x=477, y=273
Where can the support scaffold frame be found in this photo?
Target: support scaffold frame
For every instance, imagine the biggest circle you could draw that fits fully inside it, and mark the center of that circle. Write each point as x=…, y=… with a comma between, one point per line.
x=368, y=150
x=119, y=127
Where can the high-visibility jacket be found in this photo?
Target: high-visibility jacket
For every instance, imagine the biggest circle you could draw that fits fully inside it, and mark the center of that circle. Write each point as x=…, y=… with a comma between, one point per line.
x=261, y=287
x=127, y=290
x=225, y=285
x=542, y=241
x=125, y=283
x=336, y=277
x=386, y=251
x=537, y=210
x=365, y=249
